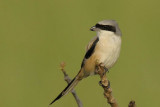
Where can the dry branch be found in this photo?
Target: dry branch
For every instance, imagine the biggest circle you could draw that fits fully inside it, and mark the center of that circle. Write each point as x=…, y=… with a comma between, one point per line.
x=101, y=70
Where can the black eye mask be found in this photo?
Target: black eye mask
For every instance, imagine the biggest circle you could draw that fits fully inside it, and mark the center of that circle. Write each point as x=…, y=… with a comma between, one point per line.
x=106, y=27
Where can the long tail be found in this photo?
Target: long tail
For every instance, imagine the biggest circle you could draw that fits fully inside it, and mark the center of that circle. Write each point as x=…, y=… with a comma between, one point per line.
x=70, y=86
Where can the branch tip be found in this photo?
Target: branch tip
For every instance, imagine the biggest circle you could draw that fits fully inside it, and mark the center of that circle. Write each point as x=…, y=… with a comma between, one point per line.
x=62, y=65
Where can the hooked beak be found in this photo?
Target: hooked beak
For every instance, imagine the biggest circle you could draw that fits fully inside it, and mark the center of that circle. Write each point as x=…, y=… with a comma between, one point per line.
x=93, y=28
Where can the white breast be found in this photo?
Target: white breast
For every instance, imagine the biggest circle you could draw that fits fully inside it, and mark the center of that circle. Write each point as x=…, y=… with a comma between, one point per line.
x=108, y=48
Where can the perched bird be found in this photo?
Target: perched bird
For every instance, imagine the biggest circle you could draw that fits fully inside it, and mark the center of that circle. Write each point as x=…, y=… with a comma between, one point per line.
x=104, y=47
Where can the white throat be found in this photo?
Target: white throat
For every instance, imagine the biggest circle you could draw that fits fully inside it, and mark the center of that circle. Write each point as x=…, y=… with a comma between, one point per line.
x=109, y=47
x=105, y=33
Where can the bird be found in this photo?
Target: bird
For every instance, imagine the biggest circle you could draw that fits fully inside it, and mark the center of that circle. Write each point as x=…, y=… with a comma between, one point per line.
x=104, y=47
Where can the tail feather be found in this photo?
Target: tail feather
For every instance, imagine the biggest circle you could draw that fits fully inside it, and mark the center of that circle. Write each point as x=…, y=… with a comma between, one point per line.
x=70, y=86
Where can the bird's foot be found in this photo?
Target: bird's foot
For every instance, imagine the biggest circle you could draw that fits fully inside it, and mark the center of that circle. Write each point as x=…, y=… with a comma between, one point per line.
x=101, y=84
x=103, y=67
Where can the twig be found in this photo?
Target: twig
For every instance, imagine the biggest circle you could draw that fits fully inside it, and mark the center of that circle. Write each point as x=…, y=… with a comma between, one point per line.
x=101, y=70
x=68, y=80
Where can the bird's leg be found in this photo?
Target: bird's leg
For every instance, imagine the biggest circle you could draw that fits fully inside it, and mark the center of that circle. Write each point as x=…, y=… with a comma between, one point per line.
x=103, y=66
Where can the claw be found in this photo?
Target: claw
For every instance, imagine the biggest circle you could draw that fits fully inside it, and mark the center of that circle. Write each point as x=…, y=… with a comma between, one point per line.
x=106, y=69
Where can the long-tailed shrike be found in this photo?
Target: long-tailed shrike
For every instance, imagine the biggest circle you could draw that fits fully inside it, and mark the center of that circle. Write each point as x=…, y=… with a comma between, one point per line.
x=105, y=47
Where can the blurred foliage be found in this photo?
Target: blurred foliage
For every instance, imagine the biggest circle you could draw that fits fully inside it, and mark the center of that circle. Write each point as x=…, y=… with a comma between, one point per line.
x=36, y=35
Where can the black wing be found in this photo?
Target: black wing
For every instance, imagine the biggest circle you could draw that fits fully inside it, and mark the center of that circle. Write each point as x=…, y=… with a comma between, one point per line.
x=90, y=51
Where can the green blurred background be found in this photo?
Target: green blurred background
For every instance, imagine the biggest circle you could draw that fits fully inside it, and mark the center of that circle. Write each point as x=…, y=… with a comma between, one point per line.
x=36, y=35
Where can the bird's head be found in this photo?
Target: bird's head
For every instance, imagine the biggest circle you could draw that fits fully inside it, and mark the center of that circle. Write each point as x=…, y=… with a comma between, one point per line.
x=107, y=25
